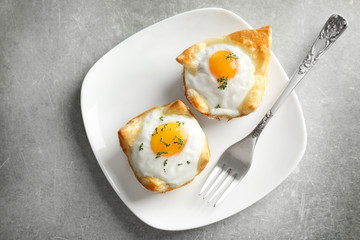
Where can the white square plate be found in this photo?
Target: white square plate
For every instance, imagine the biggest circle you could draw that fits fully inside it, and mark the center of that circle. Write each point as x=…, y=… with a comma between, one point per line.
x=140, y=73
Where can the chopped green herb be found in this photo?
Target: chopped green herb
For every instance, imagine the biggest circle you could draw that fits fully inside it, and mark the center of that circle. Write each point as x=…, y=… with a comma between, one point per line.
x=179, y=123
x=170, y=129
x=164, y=170
x=141, y=147
x=231, y=55
x=218, y=106
x=166, y=144
x=187, y=162
x=156, y=132
x=162, y=118
x=165, y=125
x=159, y=154
x=222, y=86
x=180, y=142
x=179, y=164
x=165, y=162
x=222, y=80
x=161, y=139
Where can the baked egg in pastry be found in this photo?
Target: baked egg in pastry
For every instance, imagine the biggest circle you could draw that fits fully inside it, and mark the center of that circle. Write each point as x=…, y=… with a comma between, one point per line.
x=165, y=146
x=227, y=76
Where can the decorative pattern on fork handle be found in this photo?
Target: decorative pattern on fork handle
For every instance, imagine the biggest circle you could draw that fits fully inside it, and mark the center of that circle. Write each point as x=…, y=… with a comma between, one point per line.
x=330, y=32
x=260, y=127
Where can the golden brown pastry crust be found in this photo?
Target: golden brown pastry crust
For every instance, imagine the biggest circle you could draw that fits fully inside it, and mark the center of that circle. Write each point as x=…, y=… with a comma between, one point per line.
x=257, y=43
x=130, y=132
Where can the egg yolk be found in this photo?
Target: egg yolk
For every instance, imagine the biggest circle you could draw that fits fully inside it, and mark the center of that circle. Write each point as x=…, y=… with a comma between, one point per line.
x=168, y=139
x=223, y=65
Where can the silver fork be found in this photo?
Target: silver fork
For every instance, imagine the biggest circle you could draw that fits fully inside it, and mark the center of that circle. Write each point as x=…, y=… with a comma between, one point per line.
x=235, y=162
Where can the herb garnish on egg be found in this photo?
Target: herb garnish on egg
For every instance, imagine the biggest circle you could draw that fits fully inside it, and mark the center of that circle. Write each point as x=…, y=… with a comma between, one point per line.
x=179, y=123
x=141, y=147
x=180, y=142
x=222, y=80
x=231, y=55
x=159, y=154
x=162, y=118
x=164, y=127
x=156, y=132
x=218, y=106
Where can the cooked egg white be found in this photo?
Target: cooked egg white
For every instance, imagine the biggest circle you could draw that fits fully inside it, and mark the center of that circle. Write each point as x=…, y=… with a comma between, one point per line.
x=168, y=148
x=237, y=70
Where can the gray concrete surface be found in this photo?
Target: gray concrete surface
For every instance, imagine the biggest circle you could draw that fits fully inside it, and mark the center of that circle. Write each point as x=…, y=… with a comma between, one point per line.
x=51, y=186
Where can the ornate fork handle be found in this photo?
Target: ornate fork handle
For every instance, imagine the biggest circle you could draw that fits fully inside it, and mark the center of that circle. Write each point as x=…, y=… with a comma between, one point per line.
x=331, y=31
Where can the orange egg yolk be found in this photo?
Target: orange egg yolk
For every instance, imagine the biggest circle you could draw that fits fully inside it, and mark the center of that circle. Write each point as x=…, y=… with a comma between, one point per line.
x=168, y=139
x=222, y=65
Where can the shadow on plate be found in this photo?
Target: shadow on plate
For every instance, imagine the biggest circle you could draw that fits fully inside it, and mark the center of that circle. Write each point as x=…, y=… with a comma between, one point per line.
x=175, y=90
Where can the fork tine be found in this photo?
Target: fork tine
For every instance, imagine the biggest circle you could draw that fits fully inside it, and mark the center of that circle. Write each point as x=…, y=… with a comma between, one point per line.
x=225, y=181
x=218, y=180
x=232, y=185
x=215, y=172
